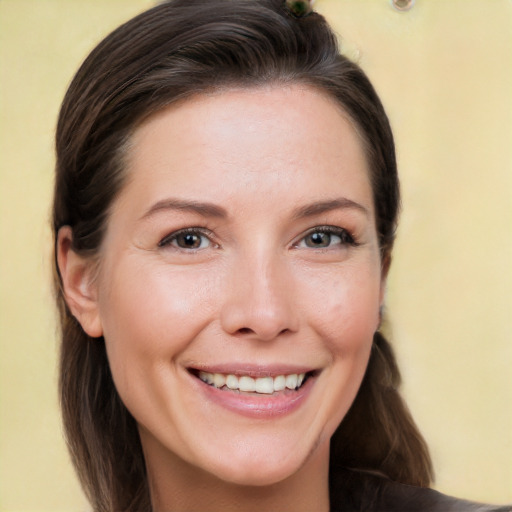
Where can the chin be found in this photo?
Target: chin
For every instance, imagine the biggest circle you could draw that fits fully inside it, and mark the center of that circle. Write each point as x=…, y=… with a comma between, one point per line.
x=259, y=475
x=266, y=464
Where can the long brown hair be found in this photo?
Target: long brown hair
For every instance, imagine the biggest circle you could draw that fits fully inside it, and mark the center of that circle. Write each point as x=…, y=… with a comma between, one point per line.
x=173, y=51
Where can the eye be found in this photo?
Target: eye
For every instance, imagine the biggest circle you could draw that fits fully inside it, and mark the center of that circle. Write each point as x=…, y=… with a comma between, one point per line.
x=323, y=237
x=187, y=239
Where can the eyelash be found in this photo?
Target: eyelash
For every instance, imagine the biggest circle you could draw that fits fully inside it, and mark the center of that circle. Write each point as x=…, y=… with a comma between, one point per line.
x=200, y=232
x=345, y=237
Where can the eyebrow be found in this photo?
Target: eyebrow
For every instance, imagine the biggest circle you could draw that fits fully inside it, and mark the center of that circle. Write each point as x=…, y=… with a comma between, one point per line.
x=203, y=209
x=213, y=210
x=341, y=203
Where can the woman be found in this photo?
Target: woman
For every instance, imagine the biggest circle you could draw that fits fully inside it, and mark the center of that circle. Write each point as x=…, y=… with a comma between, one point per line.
x=225, y=207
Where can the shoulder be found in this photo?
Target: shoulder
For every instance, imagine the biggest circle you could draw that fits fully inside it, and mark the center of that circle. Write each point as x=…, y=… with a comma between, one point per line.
x=357, y=491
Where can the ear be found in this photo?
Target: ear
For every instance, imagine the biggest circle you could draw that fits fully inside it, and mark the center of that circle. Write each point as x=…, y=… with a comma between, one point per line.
x=78, y=283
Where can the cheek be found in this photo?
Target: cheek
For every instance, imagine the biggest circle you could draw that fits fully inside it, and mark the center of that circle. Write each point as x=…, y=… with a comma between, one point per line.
x=150, y=318
x=346, y=322
x=346, y=308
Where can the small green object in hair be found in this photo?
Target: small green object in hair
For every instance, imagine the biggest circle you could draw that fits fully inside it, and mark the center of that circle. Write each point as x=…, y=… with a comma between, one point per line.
x=299, y=8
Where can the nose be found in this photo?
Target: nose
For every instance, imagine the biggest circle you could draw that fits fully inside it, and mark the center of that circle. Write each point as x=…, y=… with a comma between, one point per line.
x=259, y=300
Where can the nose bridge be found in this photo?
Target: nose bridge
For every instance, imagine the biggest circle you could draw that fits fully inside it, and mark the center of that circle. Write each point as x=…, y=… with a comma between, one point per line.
x=259, y=297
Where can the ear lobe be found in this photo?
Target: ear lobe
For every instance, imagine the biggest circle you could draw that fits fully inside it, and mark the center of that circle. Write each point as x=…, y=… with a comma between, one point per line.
x=77, y=274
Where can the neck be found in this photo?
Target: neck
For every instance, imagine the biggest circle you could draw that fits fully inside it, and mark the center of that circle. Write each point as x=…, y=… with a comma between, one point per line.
x=177, y=485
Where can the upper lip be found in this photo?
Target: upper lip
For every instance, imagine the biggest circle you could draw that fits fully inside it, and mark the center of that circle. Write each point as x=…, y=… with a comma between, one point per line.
x=252, y=370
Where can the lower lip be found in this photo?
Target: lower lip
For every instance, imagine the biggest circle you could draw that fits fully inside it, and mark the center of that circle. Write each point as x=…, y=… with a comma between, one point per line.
x=258, y=405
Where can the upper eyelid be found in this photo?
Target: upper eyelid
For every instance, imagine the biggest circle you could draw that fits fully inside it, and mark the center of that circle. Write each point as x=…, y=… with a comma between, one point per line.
x=325, y=228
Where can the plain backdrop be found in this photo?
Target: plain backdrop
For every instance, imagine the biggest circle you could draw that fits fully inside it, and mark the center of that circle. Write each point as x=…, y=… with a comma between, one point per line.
x=444, y=72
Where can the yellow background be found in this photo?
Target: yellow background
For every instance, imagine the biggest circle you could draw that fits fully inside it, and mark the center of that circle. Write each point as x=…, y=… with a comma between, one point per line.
x=444, y=72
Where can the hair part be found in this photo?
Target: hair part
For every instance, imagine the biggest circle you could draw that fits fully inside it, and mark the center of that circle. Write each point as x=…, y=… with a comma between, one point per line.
x=173, y=51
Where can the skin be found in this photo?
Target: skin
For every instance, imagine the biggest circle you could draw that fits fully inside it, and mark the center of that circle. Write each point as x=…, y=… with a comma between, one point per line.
x=281, y=163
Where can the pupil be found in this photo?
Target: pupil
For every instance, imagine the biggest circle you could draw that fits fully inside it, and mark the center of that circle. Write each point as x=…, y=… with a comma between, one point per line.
x=320, y=238
x=190, y=240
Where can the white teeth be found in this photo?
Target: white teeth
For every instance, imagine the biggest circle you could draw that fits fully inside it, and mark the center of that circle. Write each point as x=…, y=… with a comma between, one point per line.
x=219, y=380
x=206, y=377
x=246, y=384
x=264, y=385
x=279, y=383
x=231, y=382
x=291, y=381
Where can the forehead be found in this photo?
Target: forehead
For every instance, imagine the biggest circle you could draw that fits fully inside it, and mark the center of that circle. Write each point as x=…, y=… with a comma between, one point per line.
x=267, y=140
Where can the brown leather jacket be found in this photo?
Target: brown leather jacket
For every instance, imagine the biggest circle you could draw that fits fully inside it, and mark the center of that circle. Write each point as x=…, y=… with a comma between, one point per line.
x=356, y=491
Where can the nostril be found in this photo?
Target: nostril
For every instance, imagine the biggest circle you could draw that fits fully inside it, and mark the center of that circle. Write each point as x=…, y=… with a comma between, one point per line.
x=244, y=331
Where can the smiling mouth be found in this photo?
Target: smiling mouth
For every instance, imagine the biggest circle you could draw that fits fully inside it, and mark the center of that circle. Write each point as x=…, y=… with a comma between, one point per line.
x=246, y=384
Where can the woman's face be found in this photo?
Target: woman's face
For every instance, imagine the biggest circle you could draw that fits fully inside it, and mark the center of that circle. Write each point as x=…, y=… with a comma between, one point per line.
x=241, y=253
